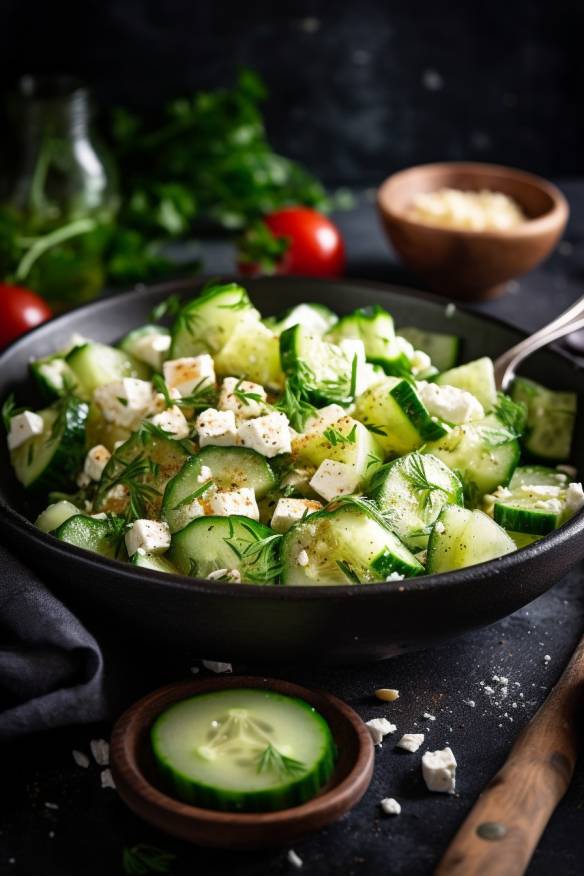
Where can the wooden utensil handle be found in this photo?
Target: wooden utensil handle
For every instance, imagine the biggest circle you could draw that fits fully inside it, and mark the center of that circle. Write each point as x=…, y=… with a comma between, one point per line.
x=502, y=830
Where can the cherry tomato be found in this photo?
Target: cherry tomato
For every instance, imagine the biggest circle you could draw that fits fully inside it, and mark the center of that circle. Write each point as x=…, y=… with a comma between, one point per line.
x=315, y=246
x=20, y=310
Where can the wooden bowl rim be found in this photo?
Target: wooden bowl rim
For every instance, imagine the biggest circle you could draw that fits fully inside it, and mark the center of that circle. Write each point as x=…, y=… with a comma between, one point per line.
x=132, y=783
x=549, y=221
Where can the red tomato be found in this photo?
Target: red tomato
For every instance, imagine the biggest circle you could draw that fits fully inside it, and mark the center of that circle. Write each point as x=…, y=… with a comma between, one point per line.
x=20, y=310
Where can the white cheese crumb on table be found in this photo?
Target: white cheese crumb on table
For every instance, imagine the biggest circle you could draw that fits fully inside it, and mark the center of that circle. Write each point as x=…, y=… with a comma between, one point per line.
x=390, y=806
x=80, y=759
x=295, y=859
x=439, y=770
x=107, y=780
x=100, y=751
x=379, y=728
x=411, y=742
x=217, y=666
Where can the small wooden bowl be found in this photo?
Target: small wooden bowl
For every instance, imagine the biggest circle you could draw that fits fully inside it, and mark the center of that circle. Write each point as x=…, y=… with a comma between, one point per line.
x=138, y=784
x=464, y=264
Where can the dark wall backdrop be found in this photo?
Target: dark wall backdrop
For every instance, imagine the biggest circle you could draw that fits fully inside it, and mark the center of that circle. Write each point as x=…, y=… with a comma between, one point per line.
x=357, y=87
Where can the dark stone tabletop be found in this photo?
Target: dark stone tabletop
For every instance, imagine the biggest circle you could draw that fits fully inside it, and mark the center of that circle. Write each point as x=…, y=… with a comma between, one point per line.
x=56, y=820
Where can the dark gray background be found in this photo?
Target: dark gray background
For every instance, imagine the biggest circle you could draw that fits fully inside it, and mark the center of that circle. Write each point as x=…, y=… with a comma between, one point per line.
x=358, y=89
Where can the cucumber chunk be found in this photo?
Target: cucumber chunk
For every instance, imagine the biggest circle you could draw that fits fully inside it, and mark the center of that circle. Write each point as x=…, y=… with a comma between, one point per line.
x=104, y=537
x=535, y=502
x=51, y=461
x=393, y=411
x=137, y=473
x=538, y=474
x=411, y=492
x=316, y=318
x=442, y=349
x=253, y=352
x=550, y=419
x=208, y=544
x=324, y=372
x=95, y=364
x=153, y=562
x=55, y=514
x=231, y=468
x=462, y=538
x=374, y=326
x=347, y=545
x=347, y=441
x=205, y=324
x=476, y=377
x=135, y=343
x=243, y=750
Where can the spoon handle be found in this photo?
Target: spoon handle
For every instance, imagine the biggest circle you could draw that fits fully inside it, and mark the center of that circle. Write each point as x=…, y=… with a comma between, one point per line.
x=502, y=830
x=569, y=321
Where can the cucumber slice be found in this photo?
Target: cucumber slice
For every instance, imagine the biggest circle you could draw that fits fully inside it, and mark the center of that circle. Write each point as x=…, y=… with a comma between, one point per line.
x=253, y=352
x=484, y=454
x=52, y=517
x=476, y=377
x=51, y=461
x=205, y=324
x=535, y=502
x=104, y=537
x=393, y=411
x=523, y=539
x=538, y=474
x=211, y=543
x=143, y=466
x=153, y=562
x=348, y=545
x=96, y=364
x=374, y=326
x=442, y=349
x=411, y=492
x=462, y=538
x=53, y=376
x=244, y=750
x=347, y=441
x=230, y=469
x=316, y=318
x=98, y=430
x=324, y=372
x=136, y=344
x=550, y=419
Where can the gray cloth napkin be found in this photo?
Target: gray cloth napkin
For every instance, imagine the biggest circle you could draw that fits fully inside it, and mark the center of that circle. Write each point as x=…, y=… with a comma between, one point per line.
x=51, y=667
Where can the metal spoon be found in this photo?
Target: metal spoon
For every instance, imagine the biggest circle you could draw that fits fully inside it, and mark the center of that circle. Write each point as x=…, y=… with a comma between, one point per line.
x=571, y=320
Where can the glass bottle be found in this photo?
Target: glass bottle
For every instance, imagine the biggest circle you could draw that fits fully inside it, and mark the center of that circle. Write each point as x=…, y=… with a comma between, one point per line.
x=63, y=190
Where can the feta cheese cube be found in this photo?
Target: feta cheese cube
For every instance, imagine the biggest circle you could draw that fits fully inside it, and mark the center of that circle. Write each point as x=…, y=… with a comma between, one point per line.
x=54, y=372
x=242, y=501
x=147, y=536
x=390, y=806
x=95, y=462
x=290, y=511
x=204, y=475
x=231, y=576
x=216, y=427
x=333, y=479
x=411, y=741
x=324, y=418
x=151, y=347
x=379, y=728
x=24, y=426
x=574, y=497
x=124, y=402
x=268, y=435
x=449, y=403
x=173, y=421
x=188, y=373
x=242, y=404
x=439, y=770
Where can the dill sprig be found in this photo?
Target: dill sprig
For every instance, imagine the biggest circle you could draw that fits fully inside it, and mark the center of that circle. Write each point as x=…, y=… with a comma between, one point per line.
x=512, y=415
x=295, y=404
x=258, y=554
x=169, y=307
x=272, y=760
x=348, y=572
x=415, y=473
x=334, y=437
x=246, y=397
x=376, y=429
x=143, y=859
x=9, y=410
x=196, y=494
x=132, y=476
x=203, y=396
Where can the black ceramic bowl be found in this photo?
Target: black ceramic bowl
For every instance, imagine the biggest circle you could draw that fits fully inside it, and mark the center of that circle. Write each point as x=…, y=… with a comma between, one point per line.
x=288, y=624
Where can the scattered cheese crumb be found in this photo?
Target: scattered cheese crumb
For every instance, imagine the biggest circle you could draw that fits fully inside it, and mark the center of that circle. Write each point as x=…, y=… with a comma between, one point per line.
x=217, y=666
x=107, y=780
x=80, y=759
x=379, y=728
x=302, y=559
x=100, y=751
x=428, y=716
x=470, y=703
x=411, y=741
x=390, y=806
x=195, y=670
x=546, y=658
x=395, y=576
x=439, y=770
x=51, y=805
x=295, y=859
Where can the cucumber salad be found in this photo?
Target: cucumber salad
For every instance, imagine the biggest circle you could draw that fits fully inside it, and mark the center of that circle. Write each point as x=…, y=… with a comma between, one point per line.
x=295, y=450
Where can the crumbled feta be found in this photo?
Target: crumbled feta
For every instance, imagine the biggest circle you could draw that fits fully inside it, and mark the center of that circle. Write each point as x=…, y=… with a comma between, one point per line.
x=411, y=741
x=95, y=462
x=148, y=536
x=125, y=401
x=546, y=491
x=502, y=493
x=107, y=780
x=428, y=716
x=294, y=859
x=268, y=435
x=189, y=373
x=82, y=480
x=379, y=728
x=101, y=516
x=302, y=559
x=323, y=418
x=290, y=511
x=574, y=497
x=22, y=427
x=333, y=479
x=100, y=751
x=216, y=427
x=420, y=362
x=173, y=421
x=241, y=501
x=439, y=770
x=231, y=576
x=242, y=404
x=151, y=347
x=80, y=759
x=54, y=372
x=395, y=576
x=204, y=475
x=552, y=505
x=390, y=806
x=450, y=403
x=216, y=666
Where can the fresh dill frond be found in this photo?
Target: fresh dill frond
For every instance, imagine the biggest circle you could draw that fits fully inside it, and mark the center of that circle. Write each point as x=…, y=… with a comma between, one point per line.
x=271, y=760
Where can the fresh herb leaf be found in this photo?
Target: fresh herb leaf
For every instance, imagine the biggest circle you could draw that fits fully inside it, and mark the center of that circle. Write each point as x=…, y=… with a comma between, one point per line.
x=373, y=459
x=375, y=429
x=169, y=307
x=513, y=415
x=259, y=555
x=9, y=410
x=135, y=475
x=348, y=572
x=414, y=471
x=246, y=397
x=261, y=248
x=142, y=859
x=334, y=437
x=196, y=494
x=271, y=760
x=295, y=404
